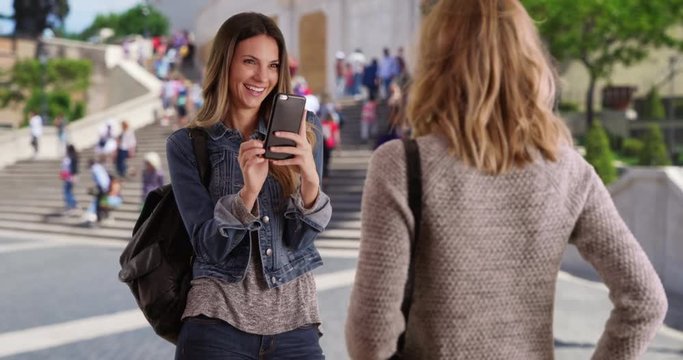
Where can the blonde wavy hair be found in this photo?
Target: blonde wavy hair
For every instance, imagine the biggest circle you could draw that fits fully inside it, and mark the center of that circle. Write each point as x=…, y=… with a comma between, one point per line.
x=216, y=91
x=484, y=80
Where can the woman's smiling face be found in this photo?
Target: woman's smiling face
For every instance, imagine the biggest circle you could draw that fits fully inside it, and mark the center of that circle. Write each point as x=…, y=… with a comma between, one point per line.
x=254, y=72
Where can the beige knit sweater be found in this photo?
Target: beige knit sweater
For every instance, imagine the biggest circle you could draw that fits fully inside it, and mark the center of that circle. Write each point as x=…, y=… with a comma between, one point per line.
x=488, y=259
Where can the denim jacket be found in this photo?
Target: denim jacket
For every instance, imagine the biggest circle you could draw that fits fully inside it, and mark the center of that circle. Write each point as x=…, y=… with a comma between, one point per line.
x=219, y=223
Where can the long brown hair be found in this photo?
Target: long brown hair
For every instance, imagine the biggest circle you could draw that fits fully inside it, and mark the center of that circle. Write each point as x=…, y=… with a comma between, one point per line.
x=216, y=91
x=485, y=82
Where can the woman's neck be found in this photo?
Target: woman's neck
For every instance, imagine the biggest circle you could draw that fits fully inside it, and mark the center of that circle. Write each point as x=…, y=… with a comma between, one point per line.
x=244, y=121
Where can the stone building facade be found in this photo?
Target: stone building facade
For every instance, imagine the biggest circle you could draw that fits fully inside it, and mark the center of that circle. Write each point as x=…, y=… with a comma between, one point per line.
x=315, y=30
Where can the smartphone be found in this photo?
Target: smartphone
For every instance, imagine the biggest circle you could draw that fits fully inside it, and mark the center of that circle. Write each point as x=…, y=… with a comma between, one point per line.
x=285, y=115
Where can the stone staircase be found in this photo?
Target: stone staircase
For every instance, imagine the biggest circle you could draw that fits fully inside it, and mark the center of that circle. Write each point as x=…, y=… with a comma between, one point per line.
x=31, y=193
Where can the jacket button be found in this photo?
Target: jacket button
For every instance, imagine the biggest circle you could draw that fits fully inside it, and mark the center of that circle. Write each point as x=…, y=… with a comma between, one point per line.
x=273, y=280
x=265, y=219
x=269, y=252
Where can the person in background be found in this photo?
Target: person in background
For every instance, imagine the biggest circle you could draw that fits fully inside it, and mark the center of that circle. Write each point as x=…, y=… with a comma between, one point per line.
x=339, y=70
x=385, y=72
x=152, y=174
x=332, y=138
x=370, y=80
x=504, y=194
x=69, y=174
x=300, y=87
x=105, y=149
x=113, y=198
x=329, y=106
x=181, y=103
x=60, y=123
x=357, y=60
x=368, y=118
x=253, y=227
x=101, y=181
x=126, y=144
x=36, y=124
x=395, y=127
x=196, y=97
x=348, y=79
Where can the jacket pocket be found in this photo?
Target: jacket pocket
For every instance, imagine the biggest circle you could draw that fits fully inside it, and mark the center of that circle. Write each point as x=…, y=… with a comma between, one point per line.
x=220, y=173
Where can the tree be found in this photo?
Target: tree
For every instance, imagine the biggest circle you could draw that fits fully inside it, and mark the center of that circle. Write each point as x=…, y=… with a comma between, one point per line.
x=140, y=19
x=599, y=154
x=28, y=84
x=32, y=17
x=602, y=34
x=654, y=107
x=654, y=151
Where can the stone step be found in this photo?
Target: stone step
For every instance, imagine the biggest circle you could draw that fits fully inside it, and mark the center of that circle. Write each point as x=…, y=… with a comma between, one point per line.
x=6, y=211
x=31, y=191
x=99, y=231
x=58, y=204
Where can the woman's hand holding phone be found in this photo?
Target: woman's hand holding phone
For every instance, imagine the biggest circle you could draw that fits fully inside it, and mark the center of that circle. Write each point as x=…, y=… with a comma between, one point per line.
x=254, y=170
x=302, y=159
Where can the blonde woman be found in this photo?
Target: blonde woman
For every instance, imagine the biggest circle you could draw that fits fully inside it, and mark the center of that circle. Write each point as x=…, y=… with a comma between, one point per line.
x=252, y=295
x=504, y=194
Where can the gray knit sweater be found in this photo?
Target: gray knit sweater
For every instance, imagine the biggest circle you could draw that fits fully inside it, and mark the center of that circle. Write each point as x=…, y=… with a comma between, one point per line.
x=488, y=259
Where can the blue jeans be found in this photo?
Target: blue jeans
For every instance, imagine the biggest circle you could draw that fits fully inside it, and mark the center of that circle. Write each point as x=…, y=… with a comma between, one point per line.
x=69, y=198
x=121, y=165
x=208, y=339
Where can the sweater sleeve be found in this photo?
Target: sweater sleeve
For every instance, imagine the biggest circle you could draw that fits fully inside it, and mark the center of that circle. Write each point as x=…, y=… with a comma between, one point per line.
x=640, y=304
x=374, y=318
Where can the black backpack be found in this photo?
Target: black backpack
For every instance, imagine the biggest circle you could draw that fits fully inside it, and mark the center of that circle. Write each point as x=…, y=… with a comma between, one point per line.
x=157, y=262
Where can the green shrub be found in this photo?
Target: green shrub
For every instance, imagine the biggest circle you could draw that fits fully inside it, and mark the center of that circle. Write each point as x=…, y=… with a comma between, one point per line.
x=78, y=111
x=58, y=102
x=599, y=154
x=567, y=106
x=632, y=147
x=654, y=107
x=654, y=150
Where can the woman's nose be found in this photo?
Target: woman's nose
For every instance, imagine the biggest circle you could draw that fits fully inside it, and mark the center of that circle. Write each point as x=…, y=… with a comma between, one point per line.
x=260, y=72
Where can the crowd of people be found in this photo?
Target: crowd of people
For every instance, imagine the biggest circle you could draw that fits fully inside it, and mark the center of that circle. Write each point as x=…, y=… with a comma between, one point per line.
x=108, y=171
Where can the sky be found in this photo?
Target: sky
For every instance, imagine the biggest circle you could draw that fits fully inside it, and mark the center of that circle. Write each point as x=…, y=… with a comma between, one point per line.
x=81, y=13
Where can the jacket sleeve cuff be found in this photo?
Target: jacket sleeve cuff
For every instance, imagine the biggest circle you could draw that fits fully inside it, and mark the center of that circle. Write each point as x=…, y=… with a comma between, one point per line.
x=317, y=216
x=299, y=203
x=231, y=213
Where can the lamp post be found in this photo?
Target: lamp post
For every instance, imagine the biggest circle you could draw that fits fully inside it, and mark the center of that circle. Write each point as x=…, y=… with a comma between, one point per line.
x=671, y=108
x=145, y=13
x=42, y=58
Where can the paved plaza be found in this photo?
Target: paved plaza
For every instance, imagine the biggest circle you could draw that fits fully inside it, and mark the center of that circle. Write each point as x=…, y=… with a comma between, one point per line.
x=60, y=299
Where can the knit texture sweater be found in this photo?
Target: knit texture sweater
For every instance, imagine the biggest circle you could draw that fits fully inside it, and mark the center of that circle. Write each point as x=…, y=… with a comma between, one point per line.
x=488, y=258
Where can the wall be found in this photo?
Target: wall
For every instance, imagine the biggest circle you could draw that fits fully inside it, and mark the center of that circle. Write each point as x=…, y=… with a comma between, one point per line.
x=650, y=200
x=368, y=24
x=122, y=87
x=183, y=14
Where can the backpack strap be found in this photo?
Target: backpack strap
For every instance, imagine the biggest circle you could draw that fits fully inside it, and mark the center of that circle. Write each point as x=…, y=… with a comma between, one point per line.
x=198, y=136
x=414, y=176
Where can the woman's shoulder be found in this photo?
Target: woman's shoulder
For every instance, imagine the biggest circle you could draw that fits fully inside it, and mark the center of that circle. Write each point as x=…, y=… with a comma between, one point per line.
x=569, y=157
x=180, y=135
x=389, y=150
x=428, y=146
x=179, y=141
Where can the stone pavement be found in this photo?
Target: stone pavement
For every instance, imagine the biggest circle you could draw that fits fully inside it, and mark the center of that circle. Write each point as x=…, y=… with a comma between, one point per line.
x=60, y=299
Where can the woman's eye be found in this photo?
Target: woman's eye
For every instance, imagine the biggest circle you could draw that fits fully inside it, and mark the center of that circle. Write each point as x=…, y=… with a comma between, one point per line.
x=249, y=61
x=275, y=66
